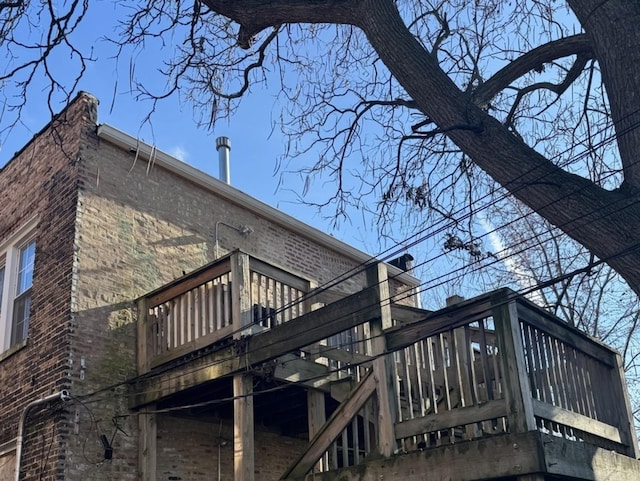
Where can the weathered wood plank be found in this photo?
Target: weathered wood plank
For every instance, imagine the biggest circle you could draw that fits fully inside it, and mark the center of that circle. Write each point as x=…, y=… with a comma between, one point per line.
x=306, y=329
x=341, y=355
x=384, y=367
x=437, y=322
x=241, y=309
x=147, y=445
x=192, y=346
x=278, y=274
x=554, y=327
x=407, y=314
x=516, y=383
x=449, y=419
x=291, y=368
x=338, y=421
x=587, y=462
x=220, y=363
x=186, y=283
x=243, y=439
x=520, y=454
x=577, y=421
x=145, y=349
x=316, y=418
x=315, y=326
x=626, y=414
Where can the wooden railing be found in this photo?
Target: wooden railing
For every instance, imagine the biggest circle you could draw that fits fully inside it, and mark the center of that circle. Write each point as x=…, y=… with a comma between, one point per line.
x=576, y=384
x=234, y=296
x=407, y=379
x=489, y=366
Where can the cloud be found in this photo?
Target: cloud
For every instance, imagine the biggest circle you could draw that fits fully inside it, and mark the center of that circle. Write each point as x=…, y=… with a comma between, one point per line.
x=179, y=152
x=506, y=256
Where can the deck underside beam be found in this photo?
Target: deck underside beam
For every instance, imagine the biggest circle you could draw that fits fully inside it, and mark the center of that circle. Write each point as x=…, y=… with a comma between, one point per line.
x=244, y=354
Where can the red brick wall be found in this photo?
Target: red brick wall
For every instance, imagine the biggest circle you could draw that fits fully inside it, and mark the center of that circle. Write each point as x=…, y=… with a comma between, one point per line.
x=41, y=181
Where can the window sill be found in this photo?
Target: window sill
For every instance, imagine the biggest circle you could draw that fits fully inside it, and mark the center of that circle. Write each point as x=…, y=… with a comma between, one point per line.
x=12, y=350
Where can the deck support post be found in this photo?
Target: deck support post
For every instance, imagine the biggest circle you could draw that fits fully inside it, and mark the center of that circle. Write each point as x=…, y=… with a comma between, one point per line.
x=243, y=445
x=240, y=293
x=317, y=417
x=384, y=369
x=147, y=444
x=625, y=423
x=243, y=435
x=516, y=384
x=143, y=352
x=147, y=427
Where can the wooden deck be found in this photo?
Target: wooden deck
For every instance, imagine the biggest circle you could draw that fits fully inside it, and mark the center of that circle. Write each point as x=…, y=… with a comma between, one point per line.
x=482, y=376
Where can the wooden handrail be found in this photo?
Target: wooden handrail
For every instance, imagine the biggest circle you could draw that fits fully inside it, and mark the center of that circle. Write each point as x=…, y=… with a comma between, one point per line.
x=213, y=302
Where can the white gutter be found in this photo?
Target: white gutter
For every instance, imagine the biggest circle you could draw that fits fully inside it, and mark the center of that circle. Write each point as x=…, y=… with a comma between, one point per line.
x=166, y=161
x=62, y=395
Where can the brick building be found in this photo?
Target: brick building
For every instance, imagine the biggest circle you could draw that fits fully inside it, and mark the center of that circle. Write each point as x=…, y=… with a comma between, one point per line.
x=158, y=324
x=108, y=220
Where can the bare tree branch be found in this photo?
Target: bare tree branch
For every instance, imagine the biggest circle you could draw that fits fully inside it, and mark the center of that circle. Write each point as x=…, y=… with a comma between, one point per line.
x=531, y=60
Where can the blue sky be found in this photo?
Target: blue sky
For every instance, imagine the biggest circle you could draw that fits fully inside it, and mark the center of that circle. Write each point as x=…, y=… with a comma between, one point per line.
x=255, y=148
x=256, y=145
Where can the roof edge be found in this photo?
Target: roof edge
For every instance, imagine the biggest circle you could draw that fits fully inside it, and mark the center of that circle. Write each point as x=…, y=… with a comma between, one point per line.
x=208, y=182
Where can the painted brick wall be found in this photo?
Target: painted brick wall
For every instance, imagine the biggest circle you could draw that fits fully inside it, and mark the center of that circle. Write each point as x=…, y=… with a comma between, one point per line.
x=41, y=181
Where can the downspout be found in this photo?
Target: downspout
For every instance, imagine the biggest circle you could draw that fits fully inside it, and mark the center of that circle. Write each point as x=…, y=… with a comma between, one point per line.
x=62, y=395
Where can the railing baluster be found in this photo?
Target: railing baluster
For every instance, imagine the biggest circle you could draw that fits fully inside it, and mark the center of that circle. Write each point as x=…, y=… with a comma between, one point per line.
x=226, y=304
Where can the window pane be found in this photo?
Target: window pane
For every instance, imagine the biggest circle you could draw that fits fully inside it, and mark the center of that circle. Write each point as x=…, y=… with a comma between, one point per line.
x=25, y=272
x=21, y=309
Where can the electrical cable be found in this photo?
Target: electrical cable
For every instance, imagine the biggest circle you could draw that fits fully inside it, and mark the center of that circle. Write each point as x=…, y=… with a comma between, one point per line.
x=425, y=229
x=562, y=227
x=497, y=260
x=403, y=244
x=409, y=294
x=453, y=310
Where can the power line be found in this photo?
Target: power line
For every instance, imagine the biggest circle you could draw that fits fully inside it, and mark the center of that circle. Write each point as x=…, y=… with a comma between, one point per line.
x=361, y=266
x=452, y=312
x=522, y=292
x=423, y=235
x=447, y=278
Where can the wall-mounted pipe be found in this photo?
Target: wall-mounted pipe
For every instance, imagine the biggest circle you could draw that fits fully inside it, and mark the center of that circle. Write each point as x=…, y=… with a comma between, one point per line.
x=241, y=229
x=62, y=395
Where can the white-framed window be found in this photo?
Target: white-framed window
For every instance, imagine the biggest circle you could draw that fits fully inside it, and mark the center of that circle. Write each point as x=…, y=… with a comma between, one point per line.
x=17, y=259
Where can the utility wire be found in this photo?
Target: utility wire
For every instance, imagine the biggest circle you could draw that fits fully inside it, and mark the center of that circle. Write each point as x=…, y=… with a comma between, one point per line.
x=452, y=311
x=398, y=296
x=431, y=230
x=421, y=239
x=447, y=278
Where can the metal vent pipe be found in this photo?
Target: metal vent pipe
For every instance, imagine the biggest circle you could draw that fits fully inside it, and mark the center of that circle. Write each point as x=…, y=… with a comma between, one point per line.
x=223, y=146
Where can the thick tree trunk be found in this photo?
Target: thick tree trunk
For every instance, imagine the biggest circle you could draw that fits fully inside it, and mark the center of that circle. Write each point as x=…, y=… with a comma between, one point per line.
x=607, y=223
x=612, y=27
